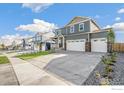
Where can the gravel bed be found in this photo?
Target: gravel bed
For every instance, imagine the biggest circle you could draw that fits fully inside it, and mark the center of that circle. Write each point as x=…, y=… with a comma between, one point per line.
x=117, y=75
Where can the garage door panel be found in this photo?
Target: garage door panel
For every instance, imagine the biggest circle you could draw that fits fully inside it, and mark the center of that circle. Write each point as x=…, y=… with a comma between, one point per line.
x=76, y=45
x=99, y=45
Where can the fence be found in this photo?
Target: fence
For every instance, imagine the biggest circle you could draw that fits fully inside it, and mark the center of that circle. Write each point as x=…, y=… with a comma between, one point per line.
x=118, y=47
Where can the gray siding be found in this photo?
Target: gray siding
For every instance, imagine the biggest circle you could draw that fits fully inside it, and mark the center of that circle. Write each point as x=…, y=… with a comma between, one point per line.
x=63, y=31
x=85, y=36
x=82, y=36
x=99, y=35
x=66, y=30
x=76, y=28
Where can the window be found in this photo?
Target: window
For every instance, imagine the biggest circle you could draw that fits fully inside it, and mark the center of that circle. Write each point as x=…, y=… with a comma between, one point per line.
x=95, y=40
x=81, y=40
x=59, y=32
x=103, y=40
x=81, y=27
x=56, y=32
x=72, y=29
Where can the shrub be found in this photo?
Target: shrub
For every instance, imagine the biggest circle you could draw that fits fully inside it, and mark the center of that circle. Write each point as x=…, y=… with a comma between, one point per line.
x=107, y=60
x=113, y=57
x=97, y=74
x=108, y=69
x=108, y=66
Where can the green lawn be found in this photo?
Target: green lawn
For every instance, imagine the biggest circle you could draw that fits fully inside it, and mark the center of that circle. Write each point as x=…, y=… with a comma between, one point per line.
x=4, y=60
x=32, y=55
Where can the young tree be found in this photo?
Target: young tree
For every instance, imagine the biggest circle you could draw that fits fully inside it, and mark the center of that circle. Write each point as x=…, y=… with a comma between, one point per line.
x=111, y=39
x=3, y=46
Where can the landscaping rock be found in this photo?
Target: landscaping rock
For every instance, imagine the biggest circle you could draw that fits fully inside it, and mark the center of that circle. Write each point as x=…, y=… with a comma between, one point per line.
x=117, y=74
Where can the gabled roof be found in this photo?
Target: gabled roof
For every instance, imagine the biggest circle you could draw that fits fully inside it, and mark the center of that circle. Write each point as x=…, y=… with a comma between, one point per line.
x=79, y=19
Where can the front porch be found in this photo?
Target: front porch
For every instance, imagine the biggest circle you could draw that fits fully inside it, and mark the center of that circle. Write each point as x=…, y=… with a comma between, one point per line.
x=60, y=42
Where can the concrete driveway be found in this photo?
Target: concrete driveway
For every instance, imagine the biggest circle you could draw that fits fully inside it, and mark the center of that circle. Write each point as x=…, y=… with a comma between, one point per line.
x=74, y=67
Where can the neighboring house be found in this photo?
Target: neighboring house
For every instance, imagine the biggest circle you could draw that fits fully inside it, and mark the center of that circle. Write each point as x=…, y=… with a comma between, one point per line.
x=37, y=41
x=14, y=45
x=42, y=42
x=82, y=34
x=27, y=44
x=1, y=47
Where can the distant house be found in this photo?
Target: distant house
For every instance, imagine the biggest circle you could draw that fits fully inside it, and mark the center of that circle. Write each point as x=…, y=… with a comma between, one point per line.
x=1, y=47
x=82, y=34
x=42, y=42
x=37, y=42
x=27, y=44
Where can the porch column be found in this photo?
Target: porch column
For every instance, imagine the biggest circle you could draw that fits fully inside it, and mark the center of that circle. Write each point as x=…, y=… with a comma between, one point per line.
x=63, y=42
x=57, y=42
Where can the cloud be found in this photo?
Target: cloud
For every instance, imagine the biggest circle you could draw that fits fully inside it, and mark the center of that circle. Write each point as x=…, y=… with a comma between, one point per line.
x=117, y=26
x=108, y=26
x=97, y=16
x=37, y=7
x=37, y=26
x=8, y=39
x=121, y=11
x=117, y=19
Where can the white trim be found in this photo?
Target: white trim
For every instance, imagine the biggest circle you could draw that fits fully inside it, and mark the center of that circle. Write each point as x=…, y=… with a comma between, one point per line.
x=99, y=31
x=77, y=34
x=84, y=33
x=79, y=27
x=90, y=26
x=78, y=22
x=98, y=39
x=71, y=29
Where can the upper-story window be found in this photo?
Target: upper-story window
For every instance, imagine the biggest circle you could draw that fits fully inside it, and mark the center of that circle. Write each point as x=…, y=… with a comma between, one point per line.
x=59, y=32
x=81, y=27
x=38, y=38
x=72, y=29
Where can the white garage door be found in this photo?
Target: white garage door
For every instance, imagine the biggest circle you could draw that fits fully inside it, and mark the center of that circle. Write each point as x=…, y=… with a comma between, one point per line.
x=99, y=45
x=76, y=45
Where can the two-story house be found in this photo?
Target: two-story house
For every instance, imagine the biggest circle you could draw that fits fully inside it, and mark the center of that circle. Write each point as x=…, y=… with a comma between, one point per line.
x=27, y=44
x=82, y=34
x=42, y=42
x=37, y=41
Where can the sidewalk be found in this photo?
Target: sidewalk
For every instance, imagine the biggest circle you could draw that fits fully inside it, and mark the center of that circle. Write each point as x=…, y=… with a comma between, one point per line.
x=29, y=74
x=7, y=75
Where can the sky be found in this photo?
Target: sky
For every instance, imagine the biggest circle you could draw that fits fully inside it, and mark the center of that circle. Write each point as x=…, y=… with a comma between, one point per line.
x=23, y=20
